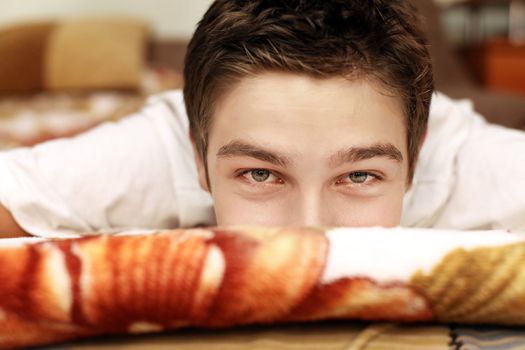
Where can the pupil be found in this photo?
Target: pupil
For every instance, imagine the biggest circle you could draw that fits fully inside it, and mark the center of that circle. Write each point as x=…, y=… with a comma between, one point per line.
x=260, y=175
x=358, y=177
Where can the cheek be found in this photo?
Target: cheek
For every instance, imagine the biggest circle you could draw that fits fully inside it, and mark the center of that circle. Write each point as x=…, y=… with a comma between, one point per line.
x=382, y=211
x=232, y=209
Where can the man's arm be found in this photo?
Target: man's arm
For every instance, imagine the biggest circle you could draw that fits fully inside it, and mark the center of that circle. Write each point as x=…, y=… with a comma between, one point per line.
x=489, y=177
x=8, y=226
x=118, y=176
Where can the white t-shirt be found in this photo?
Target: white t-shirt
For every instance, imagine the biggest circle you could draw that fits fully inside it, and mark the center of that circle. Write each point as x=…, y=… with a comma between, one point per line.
x=139, y=173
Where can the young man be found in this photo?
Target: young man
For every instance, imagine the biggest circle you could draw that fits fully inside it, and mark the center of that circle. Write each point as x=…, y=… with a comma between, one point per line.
x=300, y=113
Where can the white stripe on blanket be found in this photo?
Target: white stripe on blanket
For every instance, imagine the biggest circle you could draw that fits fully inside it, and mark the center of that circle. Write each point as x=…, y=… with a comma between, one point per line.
x=389, y=255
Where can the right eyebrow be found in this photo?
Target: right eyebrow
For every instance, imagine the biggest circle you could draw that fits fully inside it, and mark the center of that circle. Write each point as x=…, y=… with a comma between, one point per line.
x=243, y=149
x=356, y=154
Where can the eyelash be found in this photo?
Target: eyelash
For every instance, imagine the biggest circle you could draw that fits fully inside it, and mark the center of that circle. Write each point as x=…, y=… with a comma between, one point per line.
x=375, y=177
x=242, y=174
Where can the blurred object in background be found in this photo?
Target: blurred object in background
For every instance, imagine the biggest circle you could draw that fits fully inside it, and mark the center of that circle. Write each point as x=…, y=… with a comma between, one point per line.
x=28, y=119
x=84, y=54
x=67, y=66
x=470, y=22
x=497, y=64
x=491, y=73
x=517, y=22
x=63, y=77
x=490, y=36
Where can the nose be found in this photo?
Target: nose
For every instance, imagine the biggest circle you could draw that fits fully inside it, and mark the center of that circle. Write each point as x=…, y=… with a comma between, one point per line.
x=311, y=210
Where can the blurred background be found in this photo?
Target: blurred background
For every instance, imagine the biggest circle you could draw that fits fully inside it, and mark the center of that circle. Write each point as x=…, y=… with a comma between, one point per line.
x=68, y=65
x=169, y=18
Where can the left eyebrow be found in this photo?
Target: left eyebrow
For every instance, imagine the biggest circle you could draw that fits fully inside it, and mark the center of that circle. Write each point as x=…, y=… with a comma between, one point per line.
x=355, y=154
x=239, y=148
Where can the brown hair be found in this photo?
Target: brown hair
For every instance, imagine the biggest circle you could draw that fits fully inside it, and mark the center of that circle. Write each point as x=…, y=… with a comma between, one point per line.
x=379, y=39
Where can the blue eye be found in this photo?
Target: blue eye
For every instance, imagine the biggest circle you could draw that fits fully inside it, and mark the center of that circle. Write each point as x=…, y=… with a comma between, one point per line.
x=358, y=177
x=260, y=175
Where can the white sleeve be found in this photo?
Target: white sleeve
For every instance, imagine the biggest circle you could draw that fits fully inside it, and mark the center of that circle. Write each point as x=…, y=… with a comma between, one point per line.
x=470, y=175
x=489, y=190
x=117, y=176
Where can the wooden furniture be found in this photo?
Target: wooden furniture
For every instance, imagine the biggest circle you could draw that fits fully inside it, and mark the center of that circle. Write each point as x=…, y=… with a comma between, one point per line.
x=498, y=64
x=167, y=53
x=451, y=75
x=495, y=63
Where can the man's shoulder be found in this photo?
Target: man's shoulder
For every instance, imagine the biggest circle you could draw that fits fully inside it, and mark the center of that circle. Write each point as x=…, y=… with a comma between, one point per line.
x=167, y=108
x=450, y=122
x=174, y=97
x=449, y=125
x=444, y=107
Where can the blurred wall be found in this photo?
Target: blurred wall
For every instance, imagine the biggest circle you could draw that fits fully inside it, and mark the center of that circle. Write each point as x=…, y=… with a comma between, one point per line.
x=170, y=18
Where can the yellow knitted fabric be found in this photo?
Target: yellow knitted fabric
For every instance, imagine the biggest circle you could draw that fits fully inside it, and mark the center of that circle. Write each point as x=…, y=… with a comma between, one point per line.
x=483, y=285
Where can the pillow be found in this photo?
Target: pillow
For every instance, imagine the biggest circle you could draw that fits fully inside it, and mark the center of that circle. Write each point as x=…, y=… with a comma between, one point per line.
x=96, y=54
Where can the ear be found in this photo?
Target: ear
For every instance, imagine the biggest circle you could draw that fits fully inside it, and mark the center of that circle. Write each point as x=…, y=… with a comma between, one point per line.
x=201, y=167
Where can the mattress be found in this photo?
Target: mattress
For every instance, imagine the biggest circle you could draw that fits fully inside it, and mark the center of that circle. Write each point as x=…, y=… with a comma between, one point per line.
x=26, y=120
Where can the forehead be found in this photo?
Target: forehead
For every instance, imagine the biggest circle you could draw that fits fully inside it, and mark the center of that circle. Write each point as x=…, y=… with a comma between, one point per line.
x=300, y=113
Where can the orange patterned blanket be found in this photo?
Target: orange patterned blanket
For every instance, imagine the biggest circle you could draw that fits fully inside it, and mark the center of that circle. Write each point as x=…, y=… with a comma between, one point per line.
x=53, y=291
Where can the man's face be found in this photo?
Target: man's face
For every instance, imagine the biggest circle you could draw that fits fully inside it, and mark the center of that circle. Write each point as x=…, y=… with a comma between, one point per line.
x=290, y=150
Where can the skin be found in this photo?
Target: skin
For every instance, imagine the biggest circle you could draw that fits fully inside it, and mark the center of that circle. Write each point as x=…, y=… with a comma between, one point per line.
x=8, y=226
x=292, y=150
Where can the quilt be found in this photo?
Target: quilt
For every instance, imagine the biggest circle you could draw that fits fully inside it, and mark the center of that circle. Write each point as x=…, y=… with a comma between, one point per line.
x=57, y=290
